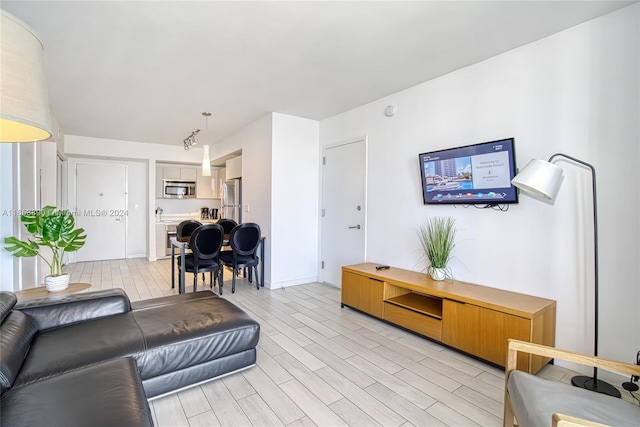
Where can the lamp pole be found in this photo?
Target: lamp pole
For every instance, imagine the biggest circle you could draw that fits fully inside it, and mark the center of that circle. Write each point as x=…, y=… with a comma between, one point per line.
x=582, y=381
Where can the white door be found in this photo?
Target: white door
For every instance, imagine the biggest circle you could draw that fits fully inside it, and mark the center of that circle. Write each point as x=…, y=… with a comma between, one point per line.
x=343, y=209
x=101, y=207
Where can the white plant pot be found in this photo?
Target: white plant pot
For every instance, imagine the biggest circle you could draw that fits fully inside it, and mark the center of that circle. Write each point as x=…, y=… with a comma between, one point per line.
x=57, y=283
x=438, y=273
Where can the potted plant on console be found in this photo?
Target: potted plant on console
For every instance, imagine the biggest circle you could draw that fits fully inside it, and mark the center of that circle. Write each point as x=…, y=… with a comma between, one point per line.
x=437, y=237
x=53, y=229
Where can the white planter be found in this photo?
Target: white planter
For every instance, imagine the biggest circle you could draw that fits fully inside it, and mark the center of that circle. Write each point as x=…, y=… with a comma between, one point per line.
x=438, y=273
x=57, y=283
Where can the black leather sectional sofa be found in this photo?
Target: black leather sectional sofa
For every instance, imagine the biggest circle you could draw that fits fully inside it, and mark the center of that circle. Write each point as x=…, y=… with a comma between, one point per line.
x=95, y=358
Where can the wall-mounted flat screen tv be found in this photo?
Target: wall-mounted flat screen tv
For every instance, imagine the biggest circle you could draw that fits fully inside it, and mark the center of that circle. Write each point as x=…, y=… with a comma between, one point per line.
x=473, y=174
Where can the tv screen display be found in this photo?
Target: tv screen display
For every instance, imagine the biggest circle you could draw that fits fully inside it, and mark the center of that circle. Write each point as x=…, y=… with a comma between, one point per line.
x=473, y=174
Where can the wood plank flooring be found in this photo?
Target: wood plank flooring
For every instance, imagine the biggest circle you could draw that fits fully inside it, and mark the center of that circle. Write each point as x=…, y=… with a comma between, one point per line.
x=319, y=364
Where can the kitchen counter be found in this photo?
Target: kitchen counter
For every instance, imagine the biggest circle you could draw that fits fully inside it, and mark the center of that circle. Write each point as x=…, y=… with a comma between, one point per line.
x=165, y=230
x=178, y=221
x=175, y=219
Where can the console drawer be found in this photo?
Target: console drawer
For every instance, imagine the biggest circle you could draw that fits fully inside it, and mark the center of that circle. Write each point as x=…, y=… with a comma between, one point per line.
x=417, y=322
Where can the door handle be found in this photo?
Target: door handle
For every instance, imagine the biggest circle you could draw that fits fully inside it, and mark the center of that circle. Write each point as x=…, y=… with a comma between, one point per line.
x=355, y=226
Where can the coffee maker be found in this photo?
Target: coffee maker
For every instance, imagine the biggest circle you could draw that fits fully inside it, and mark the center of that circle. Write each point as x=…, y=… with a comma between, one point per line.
x=213, y=213
x=204, y=213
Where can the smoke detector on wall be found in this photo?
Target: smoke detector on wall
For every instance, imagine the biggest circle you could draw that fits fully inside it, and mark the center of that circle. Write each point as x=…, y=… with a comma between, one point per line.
x=390, y=111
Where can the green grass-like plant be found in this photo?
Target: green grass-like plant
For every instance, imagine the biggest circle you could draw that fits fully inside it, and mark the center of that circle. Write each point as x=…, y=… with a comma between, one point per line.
x=437, y=237
x=50, y=228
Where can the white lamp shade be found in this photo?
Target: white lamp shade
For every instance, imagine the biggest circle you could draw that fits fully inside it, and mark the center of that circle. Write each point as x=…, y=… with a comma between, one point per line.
x=24, y=103
x=206, y=162
x=539, y=178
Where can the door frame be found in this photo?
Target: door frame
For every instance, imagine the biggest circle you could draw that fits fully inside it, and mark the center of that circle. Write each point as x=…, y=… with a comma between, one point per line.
x=321, y=248
x=72, y=198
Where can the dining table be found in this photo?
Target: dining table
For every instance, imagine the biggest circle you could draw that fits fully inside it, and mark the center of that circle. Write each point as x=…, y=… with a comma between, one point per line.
x=182, y=243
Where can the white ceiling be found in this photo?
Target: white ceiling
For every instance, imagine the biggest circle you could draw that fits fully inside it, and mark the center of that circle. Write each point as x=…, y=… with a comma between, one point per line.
x=145, y=71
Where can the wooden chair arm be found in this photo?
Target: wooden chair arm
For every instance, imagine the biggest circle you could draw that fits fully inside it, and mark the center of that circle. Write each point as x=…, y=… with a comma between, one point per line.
x=598, y=362
x=561, y=420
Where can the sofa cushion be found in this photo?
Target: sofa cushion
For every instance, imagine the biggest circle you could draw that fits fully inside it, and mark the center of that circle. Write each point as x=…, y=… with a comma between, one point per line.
x=7, y=301
x=59, y=350
x=107, y=394
x=62, y=310
x=535, y=400
x=171, y=300
x=16, y=333
x=192, y=333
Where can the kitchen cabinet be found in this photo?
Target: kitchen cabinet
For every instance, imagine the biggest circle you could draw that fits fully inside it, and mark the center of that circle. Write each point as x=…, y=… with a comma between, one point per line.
x=170, y=172
x=220, y=179
x=205, y=184
x=159, y=177
x=161, y=241
x=234, y=168
x=174, y=172
x=189, y=173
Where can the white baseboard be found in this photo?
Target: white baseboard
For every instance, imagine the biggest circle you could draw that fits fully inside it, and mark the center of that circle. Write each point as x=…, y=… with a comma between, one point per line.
x=293, y=282
x=136, y=256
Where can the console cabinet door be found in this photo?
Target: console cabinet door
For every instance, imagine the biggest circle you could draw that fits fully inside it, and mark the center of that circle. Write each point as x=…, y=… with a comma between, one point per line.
x=483, y=332
x=362, y=293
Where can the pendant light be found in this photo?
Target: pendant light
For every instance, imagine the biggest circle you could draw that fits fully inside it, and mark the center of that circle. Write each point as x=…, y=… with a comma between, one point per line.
x=206, y=161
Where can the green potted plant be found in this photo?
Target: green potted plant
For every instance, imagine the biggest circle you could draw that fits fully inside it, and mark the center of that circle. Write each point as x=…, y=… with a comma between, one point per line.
x=53, y=229
x=437, y=237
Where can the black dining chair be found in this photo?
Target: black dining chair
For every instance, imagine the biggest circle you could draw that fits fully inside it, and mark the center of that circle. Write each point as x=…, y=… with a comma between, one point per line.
x=227, y=225
x=183, y=233
x=244, y=240
x=186, y=228
x=205, y=244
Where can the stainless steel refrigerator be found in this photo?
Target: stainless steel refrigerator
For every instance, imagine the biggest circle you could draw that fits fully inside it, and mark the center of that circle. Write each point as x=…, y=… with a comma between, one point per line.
x=232, y=200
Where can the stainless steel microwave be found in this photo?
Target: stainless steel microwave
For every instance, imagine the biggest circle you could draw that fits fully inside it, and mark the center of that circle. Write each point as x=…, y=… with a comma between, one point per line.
x=178, y=189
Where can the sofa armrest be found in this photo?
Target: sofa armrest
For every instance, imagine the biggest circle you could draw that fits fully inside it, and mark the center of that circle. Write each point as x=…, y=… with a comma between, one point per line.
x=62, y=310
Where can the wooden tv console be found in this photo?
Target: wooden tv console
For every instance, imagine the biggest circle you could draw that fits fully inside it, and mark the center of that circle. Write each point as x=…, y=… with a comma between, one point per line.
x=474, y=319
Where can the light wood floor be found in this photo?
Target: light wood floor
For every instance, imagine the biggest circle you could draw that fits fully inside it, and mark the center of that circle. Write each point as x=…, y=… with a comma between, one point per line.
x=319, y=364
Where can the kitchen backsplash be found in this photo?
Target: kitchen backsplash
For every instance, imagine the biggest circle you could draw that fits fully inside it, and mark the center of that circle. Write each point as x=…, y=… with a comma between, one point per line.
x=178, y=206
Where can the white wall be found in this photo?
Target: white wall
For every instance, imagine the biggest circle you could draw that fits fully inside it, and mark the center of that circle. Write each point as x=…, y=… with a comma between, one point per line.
x=79, y=146
x=137, y=219
x=7, y=261
x=280, y=184
x=577, y=92
x=294, y=201
x=255, y=142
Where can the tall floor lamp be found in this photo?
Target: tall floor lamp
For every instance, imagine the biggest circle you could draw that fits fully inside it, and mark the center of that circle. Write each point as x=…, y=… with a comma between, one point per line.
x=543, y=179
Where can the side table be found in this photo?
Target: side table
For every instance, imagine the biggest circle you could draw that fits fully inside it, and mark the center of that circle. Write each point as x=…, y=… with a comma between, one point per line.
x=41, y=291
